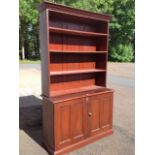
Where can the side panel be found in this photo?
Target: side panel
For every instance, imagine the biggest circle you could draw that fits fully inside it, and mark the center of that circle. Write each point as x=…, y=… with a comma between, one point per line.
x=48, y=122
x=44, y=51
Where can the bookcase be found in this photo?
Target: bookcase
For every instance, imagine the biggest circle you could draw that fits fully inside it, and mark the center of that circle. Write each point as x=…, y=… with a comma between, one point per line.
x=77, y=105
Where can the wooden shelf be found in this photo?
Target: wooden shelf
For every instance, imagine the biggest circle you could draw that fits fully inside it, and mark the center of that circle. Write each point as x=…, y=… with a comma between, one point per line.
x=76, y=90
x=80, y=52
x=75, y=32
x=76, y=72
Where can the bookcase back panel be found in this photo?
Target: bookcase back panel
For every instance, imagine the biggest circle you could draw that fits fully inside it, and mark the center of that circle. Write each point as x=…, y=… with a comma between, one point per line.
x=69, y=22
x=101, y=44
x=64, y=62
x=72, y=66
x=71, y=43
x=100, y=79
x=101, y=61
x=55, y=42
x=71, y=81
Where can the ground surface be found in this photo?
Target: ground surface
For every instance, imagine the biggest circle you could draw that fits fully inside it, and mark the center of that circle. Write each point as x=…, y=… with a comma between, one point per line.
x=120, y=78
x=29, y=61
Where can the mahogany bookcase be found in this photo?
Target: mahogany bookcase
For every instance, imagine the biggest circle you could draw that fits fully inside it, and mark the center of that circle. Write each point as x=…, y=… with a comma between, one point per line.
x=77, y=105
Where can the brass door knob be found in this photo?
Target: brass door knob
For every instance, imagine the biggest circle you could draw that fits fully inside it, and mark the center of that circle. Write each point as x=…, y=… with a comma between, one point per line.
x=89, y=114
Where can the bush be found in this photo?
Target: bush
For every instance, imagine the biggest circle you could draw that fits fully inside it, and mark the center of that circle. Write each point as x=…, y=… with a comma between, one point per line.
x=122, y=53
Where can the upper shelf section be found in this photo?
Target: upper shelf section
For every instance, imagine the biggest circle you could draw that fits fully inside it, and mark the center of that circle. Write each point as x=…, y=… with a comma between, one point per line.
x=65, y=10
x=67, y=24
x=75, y=32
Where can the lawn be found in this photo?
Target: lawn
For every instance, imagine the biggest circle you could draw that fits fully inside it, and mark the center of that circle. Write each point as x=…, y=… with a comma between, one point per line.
x=29, y=61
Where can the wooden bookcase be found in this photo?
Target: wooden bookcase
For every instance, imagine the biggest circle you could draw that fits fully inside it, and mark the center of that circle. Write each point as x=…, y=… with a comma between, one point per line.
x=77, y=105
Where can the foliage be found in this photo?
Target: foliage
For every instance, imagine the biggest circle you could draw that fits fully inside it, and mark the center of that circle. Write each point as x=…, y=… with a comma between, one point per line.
x=122, y=30
x=28, y=28
x=121, y=26
x=122, y=53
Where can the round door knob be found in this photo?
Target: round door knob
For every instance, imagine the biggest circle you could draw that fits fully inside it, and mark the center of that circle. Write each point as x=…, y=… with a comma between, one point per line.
x=89, y=114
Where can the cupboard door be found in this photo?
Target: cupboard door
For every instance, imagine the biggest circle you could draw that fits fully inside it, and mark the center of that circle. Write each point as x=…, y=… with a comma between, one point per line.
x=99, y=113
x=70, y=122
x=94, y=114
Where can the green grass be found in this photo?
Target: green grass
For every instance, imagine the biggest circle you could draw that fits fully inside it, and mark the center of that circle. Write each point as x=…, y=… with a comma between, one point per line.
x=38, y=61
x=29, y=61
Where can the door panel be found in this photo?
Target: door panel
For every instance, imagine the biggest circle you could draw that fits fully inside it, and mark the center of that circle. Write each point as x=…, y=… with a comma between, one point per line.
x=62, y=125
x=100, y=110
x=78, y=120
x=94, y=114
x=106, y=111
x=65, y=129
x=70, y=118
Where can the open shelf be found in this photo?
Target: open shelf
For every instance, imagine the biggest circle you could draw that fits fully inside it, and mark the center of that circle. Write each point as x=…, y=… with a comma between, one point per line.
x=80, y=52
x=75, y=32
x=62, y=42
x=76, y=72
x=80, y=24
x=76, y=90
x=77, y=62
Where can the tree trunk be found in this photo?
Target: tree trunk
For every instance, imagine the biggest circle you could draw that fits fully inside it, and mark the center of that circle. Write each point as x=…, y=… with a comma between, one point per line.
x=23, y=52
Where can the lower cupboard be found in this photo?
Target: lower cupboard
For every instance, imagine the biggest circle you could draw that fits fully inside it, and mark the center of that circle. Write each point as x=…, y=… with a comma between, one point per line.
x=70, y=124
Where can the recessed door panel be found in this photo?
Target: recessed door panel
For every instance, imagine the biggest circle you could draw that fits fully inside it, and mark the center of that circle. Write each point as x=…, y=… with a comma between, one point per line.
x=62, y=126
x=106, y=111
x=94, y=114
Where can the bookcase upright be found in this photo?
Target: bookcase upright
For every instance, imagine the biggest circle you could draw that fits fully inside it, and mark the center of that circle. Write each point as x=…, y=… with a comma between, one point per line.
x=77, y=105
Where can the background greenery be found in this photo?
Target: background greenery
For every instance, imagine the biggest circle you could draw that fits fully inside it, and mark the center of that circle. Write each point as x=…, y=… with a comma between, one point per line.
x=122, y=32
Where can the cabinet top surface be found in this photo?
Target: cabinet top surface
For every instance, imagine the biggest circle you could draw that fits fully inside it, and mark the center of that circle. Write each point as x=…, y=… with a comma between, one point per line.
x=73, y=96
x=73, y=11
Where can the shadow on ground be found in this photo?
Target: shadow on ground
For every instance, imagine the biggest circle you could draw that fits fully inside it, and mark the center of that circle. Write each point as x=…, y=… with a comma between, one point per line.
x=30, y=117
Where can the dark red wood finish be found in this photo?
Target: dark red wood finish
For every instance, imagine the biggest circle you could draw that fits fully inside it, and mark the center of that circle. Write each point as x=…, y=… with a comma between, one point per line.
x=73, y=122
x=77, y=106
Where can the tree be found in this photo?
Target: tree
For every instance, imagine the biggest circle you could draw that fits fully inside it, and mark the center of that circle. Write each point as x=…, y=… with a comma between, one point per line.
x=28, y=27
x=121, y=26
x=122, y=30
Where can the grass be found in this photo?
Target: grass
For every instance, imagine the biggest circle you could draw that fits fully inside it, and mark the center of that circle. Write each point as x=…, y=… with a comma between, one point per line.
x=29, y=61
x=37, y=61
